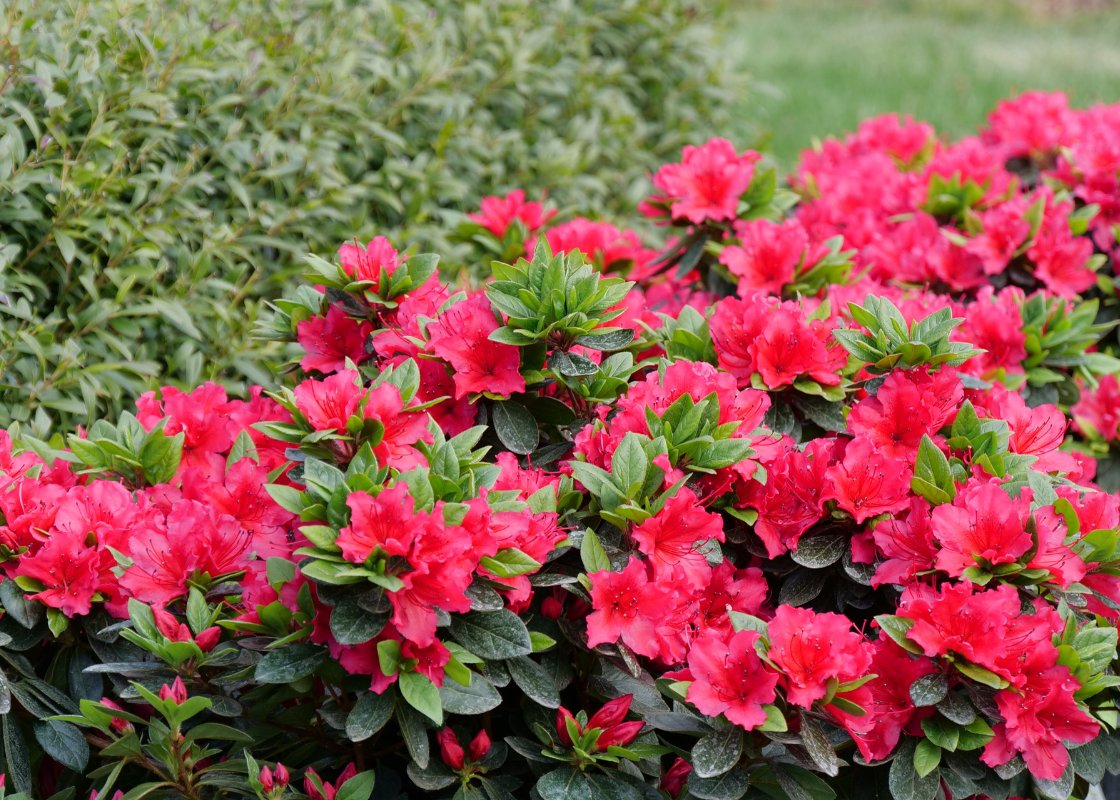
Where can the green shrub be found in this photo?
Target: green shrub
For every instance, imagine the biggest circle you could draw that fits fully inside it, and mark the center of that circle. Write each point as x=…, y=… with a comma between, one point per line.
x=163, y=166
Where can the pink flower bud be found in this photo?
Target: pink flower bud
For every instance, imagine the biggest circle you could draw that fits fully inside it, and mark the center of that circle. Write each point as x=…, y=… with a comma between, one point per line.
x=117, y=723
x=562, y=715
x=449, y=749
x=176, y=692
x=266, y=780
x=208, y=638
x=552, y=607
x=619, y=735
x=674, y=778
x=282, y=775
x=479, y=747
x=611, y=713
x=169, y=626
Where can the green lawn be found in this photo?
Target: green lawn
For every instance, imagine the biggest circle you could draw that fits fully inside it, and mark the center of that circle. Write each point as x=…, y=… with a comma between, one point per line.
x=817, y=68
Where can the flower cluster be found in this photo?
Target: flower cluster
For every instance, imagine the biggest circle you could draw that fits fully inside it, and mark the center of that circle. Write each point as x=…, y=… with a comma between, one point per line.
x=814, y=489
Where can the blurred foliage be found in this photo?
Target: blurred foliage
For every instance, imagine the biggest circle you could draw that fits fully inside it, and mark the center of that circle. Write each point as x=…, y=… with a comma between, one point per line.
x=164, y=166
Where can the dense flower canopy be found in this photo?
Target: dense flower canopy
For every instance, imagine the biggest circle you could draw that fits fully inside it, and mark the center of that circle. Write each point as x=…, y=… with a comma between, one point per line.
x=820, y=486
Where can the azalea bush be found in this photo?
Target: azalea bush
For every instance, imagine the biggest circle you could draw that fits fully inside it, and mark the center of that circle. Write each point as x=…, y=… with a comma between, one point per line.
x=790, y=506
x=166, y=165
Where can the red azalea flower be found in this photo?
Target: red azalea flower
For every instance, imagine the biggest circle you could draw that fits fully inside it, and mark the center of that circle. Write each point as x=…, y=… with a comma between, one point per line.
x=1097, y=413
x=70, y=570
x=729, y=678
x=988, y=628
x=867, y=483
x=330, y=340
x=885, y=700
x=328, y=404
x=1032, y=124
x=202, y=417
x=672, y=537
x=402, y=428
x=441, y=571
x=605, y=245
x=1039, y=720
x=982, y=524
x=906, y=542
x=730, y=589
x=909, y=404
x=789, y=503
x=498, y=213
x=768, y=255
x=812, y=648
x=387, y=522
x=461, y=336
x=627, y=607
x=366, y=263
x=708, y=182
x=994, y=325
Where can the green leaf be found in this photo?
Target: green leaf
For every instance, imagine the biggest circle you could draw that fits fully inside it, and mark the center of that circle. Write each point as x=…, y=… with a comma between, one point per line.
x=747, y=622
x=289, y=663
x=607, y=342
x=368, y=716
x=591, y=552
x=929, y=690
x=941, y=732
x=360, y=787
x=351, y=624
x=516, y=427
x=26, y=612
x=160, y=456
x=897, y=627
x=718, y=752
x=280, y=570
x=816, y=743
x=63, y=742
x=927, y=757
x=569, y=783
x=477, y=698
x=243, y=447
x=904, y=781
x=287, y=497
x=421, y=694
x=414, y=731
x=932, y=477
x=492, y=634
x=818, y=551
x=216, y=730
x=981, y=675
x=535, y=681
x=510, y=562
x=730, y=785
x=17, y=760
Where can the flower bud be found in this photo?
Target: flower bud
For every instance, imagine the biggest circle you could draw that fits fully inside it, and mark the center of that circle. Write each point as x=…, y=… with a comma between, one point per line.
x=176, y=692
x=117, y=723
x=479, y=746
x=266, y=780
x=619, y=735
x=674, y=778
x=449, y=749
x=282, y=775
x=208, y=638
x=170, y=627
x=552, y=607
x=611, y=713
x=562, y=715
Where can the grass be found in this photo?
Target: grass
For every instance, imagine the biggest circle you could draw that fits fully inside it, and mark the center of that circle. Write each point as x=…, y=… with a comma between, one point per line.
x=816, y=68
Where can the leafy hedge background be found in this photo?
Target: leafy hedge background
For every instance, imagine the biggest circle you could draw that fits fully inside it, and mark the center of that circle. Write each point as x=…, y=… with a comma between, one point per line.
x=165, y=166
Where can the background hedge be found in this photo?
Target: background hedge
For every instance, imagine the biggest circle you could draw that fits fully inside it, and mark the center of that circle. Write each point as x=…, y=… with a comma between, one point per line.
x=164, y=166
